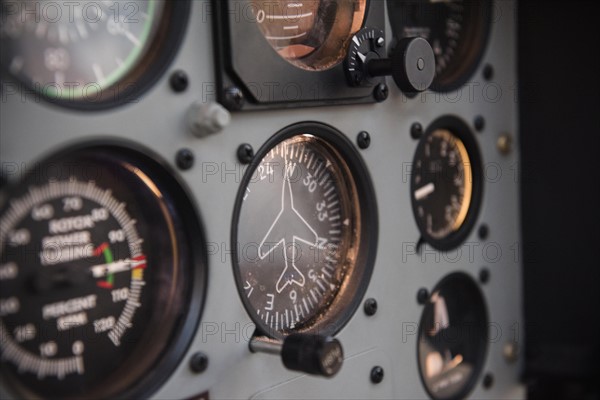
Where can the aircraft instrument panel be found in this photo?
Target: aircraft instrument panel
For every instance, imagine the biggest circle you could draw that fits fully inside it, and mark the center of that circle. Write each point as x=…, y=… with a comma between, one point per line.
x=259, y=199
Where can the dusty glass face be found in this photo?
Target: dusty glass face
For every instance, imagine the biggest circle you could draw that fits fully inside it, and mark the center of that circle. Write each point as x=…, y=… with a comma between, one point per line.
x=443, y=183
x=311, y=34
x=297, y=234
x=89, y=290
x=452, y=338
x=76, y=50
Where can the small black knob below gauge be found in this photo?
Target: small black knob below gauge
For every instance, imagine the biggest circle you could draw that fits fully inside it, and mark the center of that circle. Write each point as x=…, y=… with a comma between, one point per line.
x=312, y=354
x=411, y=63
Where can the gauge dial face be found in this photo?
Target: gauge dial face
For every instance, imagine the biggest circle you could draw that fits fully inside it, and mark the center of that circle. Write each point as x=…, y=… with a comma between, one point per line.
x=299, y=237
x=452, y=338
x=311, y=34
x=456, y=29
x=86, y=50
x=443, y=182
x=446, y=183
x=84, y=279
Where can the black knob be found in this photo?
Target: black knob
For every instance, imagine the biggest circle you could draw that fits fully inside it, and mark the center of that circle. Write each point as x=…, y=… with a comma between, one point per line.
x=312, y=354
x=411, y=64
x=411, y=61
x=315, y=355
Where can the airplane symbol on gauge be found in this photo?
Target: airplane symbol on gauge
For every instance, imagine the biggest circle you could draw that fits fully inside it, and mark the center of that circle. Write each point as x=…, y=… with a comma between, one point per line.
x=288, y=228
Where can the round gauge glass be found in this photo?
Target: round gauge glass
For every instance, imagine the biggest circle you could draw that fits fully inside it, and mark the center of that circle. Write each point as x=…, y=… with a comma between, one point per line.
x=456, y=29
x=310, y=34
x=87, y=52
x=452, y=338
x=446, y=183
x=97, y=273
x=304, y=231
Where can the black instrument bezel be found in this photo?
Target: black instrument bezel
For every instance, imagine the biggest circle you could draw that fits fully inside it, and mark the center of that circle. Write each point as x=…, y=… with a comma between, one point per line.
x=333, y=320
x=245, y=60
x=461, y=130
x=193, y=259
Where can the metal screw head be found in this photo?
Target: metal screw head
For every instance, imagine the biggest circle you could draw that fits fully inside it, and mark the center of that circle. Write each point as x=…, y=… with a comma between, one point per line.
x=233, y=99
x=488, y=72
x=380, y=42
x=510, y=351
x=488, y=381
x=483, y=232
x=364, y=140
x=381, y=92
x=416, y=131
x=245, y=153
x=422, y=296
x=185, y=159
x=484, y=275
x=199, y=362
x=179, y=81
x=479, y=123
x=377, y=374
x=370, y=307
x=504, y=144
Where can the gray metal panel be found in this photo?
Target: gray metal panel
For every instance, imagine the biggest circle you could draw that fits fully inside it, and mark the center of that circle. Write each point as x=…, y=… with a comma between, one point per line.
x=30, y=129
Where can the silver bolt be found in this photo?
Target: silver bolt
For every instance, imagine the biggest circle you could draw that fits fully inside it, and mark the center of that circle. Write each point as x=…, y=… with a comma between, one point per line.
x=380, y=42
x=511, y=352
x=505, y=144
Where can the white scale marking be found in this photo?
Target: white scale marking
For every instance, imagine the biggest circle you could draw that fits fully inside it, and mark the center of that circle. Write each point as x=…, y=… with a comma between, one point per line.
x=425, y=191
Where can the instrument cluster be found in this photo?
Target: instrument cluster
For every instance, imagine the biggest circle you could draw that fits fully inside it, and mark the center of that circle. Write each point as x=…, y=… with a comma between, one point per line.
x=253, y=199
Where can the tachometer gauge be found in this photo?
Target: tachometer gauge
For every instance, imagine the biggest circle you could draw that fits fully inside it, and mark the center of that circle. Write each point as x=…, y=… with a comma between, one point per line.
x=89, y=53
x=99, y=262
x=446, y=183
x=456, y=29
x=452, y=338
x=304, y=230
x=311, y=34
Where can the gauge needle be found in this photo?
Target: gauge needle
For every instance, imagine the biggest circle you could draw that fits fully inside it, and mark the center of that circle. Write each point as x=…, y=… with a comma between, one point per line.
x=102, y=270
x=361, y=56
x=425, y=191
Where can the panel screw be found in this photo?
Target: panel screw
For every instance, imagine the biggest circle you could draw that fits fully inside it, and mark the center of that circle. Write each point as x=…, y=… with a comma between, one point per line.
x=488, y=381
x=364, y=140
x=416, y=131
x=185, y=159
x=479, y=123
x=484, y=232
x=245, y=153
x=488, y=72
x=233, y=99
x=370, y=307
x=484, y=275
x=380, y=42
x=199, y=362
x=179, y=81
x=377, y=375
x=381, y=92
x=422, y=296
x=511, y=352
x=504, y=144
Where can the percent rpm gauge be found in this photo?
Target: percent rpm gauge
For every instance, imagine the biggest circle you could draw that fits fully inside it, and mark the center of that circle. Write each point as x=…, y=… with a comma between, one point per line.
x=446, y=183
x=96, y=275
x=86, y=52
x=304, y=231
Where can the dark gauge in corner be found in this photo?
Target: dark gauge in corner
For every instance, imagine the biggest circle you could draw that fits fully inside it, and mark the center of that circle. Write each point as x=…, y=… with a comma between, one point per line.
x=89, y=54
x=304, y=231
x=456, y=29
x=101, y=275
x=453, y=336
x=446, y=183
